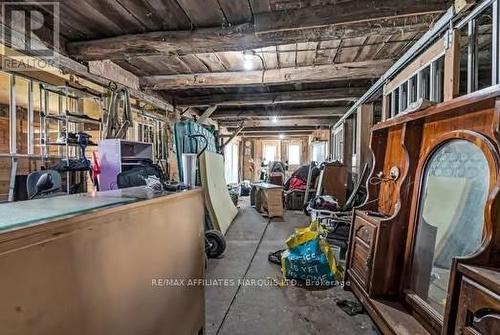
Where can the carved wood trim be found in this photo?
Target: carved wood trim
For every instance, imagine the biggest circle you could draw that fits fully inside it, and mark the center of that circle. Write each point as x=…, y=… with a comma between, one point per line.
x=492, y=157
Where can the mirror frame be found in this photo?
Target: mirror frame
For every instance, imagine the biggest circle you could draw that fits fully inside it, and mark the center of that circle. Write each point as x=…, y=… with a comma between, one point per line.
x=417, y=304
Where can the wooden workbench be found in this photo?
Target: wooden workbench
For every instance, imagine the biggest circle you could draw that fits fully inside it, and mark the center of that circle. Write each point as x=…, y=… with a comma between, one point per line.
x=102, y=270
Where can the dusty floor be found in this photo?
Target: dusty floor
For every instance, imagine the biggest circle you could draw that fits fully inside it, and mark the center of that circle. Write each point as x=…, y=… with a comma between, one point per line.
x=254, y=309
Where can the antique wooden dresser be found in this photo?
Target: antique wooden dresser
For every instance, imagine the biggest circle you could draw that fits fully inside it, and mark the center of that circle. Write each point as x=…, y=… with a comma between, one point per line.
x=424, y=252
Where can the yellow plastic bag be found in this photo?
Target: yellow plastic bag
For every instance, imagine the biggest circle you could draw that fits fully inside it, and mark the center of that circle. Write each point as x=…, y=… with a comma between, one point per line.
x=310, y=258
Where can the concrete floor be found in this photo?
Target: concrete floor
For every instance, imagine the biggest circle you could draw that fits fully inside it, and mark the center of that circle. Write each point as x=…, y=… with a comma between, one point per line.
x=251, y=309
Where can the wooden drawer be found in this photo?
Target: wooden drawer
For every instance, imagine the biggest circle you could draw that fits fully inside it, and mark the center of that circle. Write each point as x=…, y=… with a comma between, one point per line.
x=478, y=310
x=361, y=251
x=359, y=263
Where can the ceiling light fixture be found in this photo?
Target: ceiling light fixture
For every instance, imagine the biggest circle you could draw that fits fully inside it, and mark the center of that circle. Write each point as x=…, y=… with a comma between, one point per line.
x=248, y=57
x=282, y=136
x=247, y=65
x=275, y=119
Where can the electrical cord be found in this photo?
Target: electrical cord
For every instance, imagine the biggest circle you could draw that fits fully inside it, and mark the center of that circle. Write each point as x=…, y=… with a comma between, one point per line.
x=377, y=180
x=243, y=277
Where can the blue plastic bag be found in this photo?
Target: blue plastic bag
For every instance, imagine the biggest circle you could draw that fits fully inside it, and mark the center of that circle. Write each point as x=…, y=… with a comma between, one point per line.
x=310, y=258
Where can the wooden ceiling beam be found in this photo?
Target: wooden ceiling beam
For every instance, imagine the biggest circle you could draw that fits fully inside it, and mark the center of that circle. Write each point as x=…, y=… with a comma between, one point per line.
x=283, y=129
x=344, y=13
x=273, y=134
x=263, y=113
x=238, y=99
x=305, y=74
x=317, y=23
x=282, y=122
x=277, y=130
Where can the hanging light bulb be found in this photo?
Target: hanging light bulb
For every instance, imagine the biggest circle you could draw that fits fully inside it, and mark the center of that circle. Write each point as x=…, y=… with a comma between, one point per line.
x=247, y=65
x=275, y=119
x=282, y=136
x=248, y=56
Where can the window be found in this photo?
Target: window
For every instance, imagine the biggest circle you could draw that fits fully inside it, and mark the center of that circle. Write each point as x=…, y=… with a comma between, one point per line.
x=464, y=55
x=453, y=196
x=484, y=49
x=476, y=52
x=151, y=130
x=231, y=154
x=338, y=144
x=412, y=89
x=395, y=98
x=427, y=83
x=294, y=154
x=403, y=98
x=270, y=152
x=319, y=151
x=437, y=71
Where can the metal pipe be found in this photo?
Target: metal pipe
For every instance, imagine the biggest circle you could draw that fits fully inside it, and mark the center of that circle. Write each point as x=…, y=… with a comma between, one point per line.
x=495, y=73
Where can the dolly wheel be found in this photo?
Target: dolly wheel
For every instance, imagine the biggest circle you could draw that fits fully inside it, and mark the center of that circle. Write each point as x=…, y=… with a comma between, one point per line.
x=215, y=243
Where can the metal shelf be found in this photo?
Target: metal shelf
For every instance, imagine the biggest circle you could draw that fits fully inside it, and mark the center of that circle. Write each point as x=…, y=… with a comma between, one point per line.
x=74, y=118
x=69, y=120
x=75, y=144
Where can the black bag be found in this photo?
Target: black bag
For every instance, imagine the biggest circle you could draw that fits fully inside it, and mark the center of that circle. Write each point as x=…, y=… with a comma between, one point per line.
x=137, y=176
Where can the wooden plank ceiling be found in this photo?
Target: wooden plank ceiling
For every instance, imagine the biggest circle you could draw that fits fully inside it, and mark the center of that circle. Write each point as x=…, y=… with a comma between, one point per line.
x=253, y=59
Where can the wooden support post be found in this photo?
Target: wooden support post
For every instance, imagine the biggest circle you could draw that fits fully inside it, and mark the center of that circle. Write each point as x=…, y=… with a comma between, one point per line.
x=233, y=135
x=363, y=124
x=206, y=114
x=348, y=140
x=452, y=66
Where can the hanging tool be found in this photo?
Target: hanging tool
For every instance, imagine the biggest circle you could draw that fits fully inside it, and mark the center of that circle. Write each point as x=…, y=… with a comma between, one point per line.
x=116, y=124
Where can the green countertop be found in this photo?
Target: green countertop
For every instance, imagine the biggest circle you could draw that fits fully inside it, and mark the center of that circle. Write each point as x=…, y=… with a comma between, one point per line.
x=19, y=214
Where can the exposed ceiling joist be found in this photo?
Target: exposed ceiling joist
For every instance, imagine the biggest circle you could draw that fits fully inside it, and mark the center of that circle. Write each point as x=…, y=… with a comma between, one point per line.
x=344, y=13
x=283, y=129
x=305, y=74
x=238, y=99
x=274, y=134
x=280, y=113
x=282, y=122
x=317, y=23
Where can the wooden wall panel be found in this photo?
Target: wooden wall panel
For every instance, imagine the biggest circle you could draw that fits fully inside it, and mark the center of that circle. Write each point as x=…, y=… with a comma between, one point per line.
x=394, y=156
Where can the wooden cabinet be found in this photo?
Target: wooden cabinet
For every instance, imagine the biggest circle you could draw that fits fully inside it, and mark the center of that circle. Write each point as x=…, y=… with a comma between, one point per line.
x=268, y=198
x=106, y=270
x=362, y=251
x=420, y=229
x=372, y=235
x=335, y=181
x=479, y=302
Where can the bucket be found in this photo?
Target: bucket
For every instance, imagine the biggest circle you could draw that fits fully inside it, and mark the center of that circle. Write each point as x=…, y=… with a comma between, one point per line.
x=189, y=162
